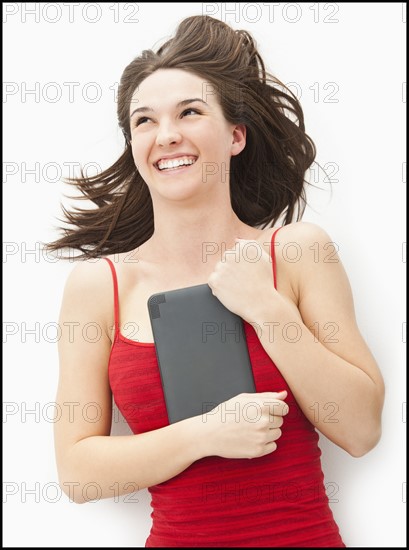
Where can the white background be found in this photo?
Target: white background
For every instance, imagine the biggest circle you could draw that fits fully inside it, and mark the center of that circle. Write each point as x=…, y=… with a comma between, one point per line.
x=355, y=49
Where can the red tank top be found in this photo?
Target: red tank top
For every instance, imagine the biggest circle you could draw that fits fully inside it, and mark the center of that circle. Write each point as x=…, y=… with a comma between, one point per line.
x=271, y=501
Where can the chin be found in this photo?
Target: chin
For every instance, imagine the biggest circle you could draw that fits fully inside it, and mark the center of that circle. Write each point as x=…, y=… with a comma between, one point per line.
x=182, y=192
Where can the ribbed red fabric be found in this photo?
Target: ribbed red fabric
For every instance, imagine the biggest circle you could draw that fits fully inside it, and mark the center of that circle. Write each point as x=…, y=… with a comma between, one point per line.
x=271, y=501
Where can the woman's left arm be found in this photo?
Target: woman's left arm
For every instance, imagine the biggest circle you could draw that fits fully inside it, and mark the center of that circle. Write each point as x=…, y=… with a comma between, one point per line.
x=312, y=338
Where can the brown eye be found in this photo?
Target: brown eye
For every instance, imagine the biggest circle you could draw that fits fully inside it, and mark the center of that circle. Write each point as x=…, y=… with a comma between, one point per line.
x=141, y=120
x=194, y=111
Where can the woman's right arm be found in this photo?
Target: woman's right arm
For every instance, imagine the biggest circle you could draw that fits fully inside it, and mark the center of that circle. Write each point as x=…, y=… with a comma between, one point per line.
x=91, y=463
x=85, y=451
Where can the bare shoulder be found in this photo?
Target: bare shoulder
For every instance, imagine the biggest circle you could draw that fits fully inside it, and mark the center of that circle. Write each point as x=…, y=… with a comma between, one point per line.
x=301, y=250
x=298, y=234
x=89, y=276
x=301, y=244
x=88, y=292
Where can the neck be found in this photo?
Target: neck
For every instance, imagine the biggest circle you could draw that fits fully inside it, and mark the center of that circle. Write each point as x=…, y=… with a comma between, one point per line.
x=194, y=239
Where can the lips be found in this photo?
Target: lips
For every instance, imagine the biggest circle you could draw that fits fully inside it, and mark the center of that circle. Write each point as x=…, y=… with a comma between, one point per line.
x=174, y=162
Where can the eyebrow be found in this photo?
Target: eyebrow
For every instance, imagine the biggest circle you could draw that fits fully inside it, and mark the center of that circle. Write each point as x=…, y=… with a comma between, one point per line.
x=180, y=104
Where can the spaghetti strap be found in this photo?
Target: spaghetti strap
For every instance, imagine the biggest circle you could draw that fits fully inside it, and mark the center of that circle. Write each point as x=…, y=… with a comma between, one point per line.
x=273, y=256
x=116, y=299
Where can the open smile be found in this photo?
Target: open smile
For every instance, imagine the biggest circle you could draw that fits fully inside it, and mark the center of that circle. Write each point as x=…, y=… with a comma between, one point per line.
x=178, y=163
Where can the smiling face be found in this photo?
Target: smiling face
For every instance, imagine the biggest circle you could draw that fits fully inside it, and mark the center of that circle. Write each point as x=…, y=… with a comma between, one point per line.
x=181, y=142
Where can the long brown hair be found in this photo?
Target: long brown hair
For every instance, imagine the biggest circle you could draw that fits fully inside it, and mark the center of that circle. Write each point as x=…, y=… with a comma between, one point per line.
x=266, y=178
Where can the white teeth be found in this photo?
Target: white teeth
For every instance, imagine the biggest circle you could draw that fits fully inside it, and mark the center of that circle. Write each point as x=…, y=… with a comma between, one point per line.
x=174, y=163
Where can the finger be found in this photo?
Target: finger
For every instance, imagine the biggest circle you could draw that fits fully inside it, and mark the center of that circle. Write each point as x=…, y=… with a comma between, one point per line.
x=282, y=394
x=210, y=280
x=270, y=447
x=238, y=240
x=274, y=434
x=276, y=422
x=276, y=407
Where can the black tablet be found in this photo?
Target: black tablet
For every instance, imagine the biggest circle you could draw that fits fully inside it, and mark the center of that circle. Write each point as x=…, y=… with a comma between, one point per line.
x=201, y=349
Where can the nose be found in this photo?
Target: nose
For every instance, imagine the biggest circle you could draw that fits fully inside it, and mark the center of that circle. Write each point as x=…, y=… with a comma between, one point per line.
x=168, y=134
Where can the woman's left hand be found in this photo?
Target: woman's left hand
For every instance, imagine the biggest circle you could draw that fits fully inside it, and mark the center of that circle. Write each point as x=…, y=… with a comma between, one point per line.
x=243, y=279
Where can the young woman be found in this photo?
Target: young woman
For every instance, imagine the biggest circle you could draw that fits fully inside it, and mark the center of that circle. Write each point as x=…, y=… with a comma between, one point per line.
x=215, y=155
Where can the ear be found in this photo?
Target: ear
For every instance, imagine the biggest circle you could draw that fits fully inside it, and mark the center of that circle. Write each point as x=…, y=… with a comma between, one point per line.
x=238, y=139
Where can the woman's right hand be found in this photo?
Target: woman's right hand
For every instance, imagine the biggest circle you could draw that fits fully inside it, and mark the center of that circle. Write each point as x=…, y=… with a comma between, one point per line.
x=246, y=426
